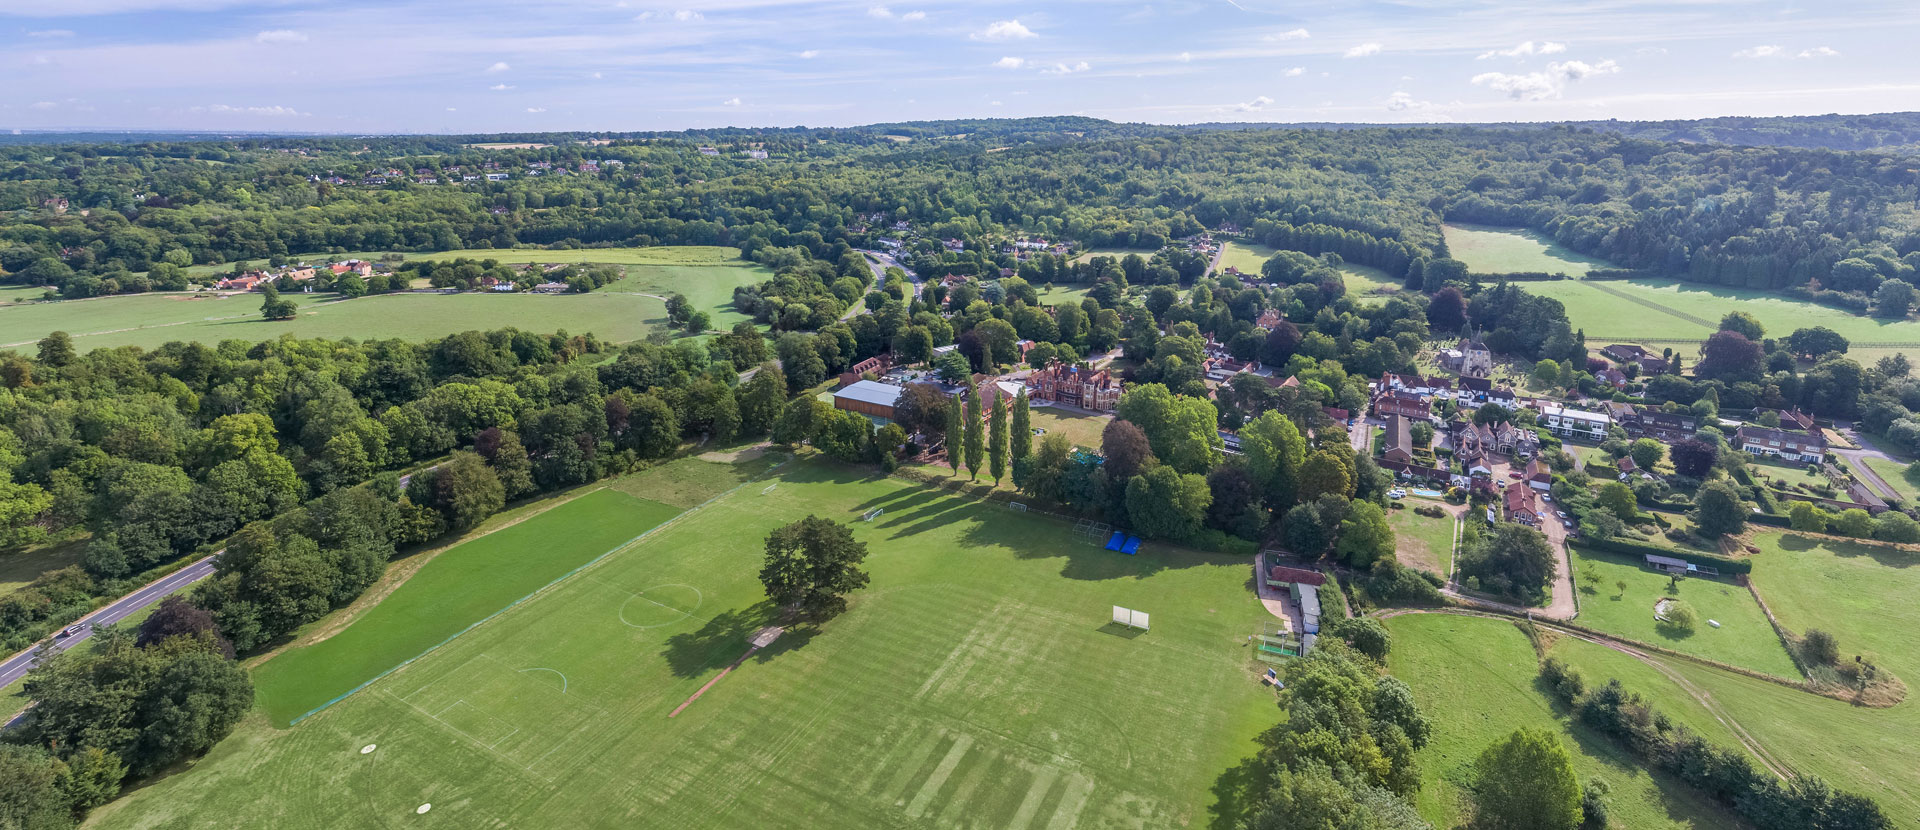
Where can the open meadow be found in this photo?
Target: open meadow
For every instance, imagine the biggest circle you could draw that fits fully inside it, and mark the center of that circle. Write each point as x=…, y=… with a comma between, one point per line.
x=1363, y=282
x=975, y=682
x=1494, y=250
x=1743, y=638
x=1423, y=541
x=628, y=309
x=1670, y=313
x=1474, y=678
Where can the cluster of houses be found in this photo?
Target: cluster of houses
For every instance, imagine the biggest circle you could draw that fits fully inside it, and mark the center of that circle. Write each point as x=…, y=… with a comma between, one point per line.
x=291, y=275
x=1082, y=387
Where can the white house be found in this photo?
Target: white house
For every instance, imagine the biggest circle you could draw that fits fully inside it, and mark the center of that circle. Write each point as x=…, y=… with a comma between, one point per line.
x=1574, y=423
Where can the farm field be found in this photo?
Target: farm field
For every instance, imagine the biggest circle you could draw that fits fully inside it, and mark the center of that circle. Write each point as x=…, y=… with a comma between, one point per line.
x=975, y=682
x=1082, y=429
x=1362, y=281
x=1474, y=679
x=1424, y=542
x=11, y=294
x=1668, y=310
x=1116, y=253
x=1493, y=250
x=150, y=320
x=1743, y=639
x=458, y=588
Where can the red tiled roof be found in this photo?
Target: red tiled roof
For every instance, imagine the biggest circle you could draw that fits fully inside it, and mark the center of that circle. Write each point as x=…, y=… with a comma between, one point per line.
x=1282, y=573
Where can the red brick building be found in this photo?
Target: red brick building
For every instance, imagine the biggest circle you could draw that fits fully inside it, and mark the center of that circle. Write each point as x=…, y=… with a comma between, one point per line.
x=1097, y=390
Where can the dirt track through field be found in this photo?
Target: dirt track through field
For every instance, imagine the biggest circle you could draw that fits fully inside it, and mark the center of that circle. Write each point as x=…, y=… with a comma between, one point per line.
x=1701, y=696
x=1642, y=301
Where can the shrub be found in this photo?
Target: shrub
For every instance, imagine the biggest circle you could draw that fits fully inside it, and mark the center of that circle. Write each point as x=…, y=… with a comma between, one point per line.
x=1819, y=648
x=1680, y=618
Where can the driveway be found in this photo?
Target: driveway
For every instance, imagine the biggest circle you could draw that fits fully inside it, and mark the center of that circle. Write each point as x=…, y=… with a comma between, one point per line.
x=1562, y=606
x=1856, y=459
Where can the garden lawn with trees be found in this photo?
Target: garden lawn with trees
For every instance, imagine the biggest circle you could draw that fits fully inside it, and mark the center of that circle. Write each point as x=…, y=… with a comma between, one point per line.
x=557, y=709
x=1743, y=639
x=1494, y=250
x=1474, y=678
x=1423, y=541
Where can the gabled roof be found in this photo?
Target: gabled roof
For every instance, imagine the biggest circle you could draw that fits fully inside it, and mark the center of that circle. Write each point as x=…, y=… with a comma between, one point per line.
x=868, y=391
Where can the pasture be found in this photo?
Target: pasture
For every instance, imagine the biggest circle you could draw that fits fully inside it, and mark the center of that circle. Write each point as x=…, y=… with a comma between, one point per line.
x=1493, y=250
x=1679, y=314
x=1423, y=541
x=1474, y=679
x=975, y=682
x=1743, y=639
x=1362, y=281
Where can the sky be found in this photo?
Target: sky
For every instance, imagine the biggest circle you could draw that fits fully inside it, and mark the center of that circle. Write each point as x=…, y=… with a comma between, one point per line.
x=433, y=66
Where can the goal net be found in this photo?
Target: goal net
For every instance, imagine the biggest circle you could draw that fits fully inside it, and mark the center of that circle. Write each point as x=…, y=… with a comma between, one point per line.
x=873, y=514
x=1092, y=532
x=1014, y=505
x=1130, y=618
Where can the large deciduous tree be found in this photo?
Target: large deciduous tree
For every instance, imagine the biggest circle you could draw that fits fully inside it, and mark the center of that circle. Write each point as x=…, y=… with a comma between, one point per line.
x=1729, y=356
x=1525, y=781
x=811, y=566
x=1718, y=509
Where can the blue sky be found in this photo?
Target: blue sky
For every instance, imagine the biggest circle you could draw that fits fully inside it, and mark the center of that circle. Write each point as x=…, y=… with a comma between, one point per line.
x=500, y=65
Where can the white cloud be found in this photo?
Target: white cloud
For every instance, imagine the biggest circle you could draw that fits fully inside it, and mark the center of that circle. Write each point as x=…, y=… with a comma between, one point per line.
x=1761, y=52
x=685, y=15
x=276, y=111
x=731, y=102
x=1549, y=83
x=452, y=109
x=501, y=87
x=596, y=76
x=879, y=11
x=1065, y=69
x=536, y=109
x=1402, y=102
x=1290, y=34
x=1295, y=72
x=1364, y=50
x=1525, y=49
x=1004, y=30
x=810, y=54
x=44, y=105
x=912, y=16
x=280, y=36
x=45, y=33
x=1009, y=63
x=1818, y=52
x=994, y=103
x=498, y=67
x=1186, y=57
x=1258, y=103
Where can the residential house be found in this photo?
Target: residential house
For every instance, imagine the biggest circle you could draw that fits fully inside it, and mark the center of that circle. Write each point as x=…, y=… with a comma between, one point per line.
x=1095, y=389
x=357, y=266
x=550, y=288
x=298, y=273
x=1793, y=419
x=709, y=151
x=497, y=177
x=1574, y=423
x=1611, y=377
x=1645, y=422
x=1396, y=402
x=243, y=282
x=868, y=398
x=1398, y=441
x=756, y=154
x=1625, y=352
x=1523, y=507
x=1651, y=365
x=1539, y=475
x=1810, y=448
x=954, y=245
x=55, y=205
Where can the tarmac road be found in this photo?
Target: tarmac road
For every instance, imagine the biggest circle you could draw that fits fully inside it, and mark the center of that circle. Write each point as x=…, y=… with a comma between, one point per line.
x=18, y=665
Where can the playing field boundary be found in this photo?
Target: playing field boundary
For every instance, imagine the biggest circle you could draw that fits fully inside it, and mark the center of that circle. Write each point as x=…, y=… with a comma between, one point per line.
x=530, y=595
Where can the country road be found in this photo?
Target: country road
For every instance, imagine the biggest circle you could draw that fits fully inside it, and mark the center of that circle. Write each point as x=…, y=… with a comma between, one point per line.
x=18, y=665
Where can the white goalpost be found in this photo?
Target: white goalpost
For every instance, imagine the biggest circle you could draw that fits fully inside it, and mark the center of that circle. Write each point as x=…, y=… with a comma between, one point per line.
x=1130, y=618
x=1014, y=505
x=873, y=514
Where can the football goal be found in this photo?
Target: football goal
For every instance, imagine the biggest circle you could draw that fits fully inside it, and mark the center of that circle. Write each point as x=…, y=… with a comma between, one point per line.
x=1130, y=618
x=873, y=514
x=1016, y=506
x=1092, y=532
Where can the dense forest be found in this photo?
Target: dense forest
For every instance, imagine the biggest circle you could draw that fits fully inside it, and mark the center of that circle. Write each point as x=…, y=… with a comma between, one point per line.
x=1810, y=221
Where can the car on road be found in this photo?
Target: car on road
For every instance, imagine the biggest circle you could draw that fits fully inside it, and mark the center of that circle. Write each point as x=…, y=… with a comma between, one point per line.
x=72, y=630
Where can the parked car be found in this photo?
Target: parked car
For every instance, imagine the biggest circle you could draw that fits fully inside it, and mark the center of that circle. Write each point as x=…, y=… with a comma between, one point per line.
x=1547, y=497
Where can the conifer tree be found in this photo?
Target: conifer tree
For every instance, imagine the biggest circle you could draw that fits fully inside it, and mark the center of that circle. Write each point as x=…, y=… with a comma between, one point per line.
x=997, y=439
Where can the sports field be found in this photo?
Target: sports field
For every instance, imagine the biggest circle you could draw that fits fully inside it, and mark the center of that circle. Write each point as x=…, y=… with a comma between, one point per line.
x=1743, y=639
x=1083, y=429
x=706, y=274
x=1474, y=679
x=1493, y=250
x=1423, y=541
x=976, y=682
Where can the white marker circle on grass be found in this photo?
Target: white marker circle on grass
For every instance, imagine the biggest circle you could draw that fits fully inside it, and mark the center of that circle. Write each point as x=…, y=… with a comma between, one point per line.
x=641, y=611
x=423, y=809
x=368, y=748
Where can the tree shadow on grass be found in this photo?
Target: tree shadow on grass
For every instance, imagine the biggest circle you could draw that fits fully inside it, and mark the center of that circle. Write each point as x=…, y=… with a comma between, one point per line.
x=1234, y=793
x=719, y=642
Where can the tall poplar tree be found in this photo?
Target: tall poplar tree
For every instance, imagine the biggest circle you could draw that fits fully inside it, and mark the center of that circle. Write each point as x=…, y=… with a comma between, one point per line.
x=1022, y=428
x=976, y=439
x=954, y=446
x=997, y=439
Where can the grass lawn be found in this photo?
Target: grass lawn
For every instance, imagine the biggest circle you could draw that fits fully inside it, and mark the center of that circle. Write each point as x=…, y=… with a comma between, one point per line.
x=1894, y=474
x=1423, y=541
x=19, y=568
x=1246, y=256
x=1659, y=310
x=457, y=589
x=1493, y=250
x=1064, y=293
x=152, y=319
x=1081, y=428
x=21, y=293
x=1743, y=639
x=1367, y=282
x=1474, y=679
x=1116, y=253
x=974, y=682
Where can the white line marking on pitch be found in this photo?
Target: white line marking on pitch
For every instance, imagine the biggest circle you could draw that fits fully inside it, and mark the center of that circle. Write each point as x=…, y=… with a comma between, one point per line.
x=563, y=677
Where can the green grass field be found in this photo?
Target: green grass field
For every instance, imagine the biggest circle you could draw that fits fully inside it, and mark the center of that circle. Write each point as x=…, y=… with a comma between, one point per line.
x=976, y=682
x=1116, y=253
x=1895, y=475
x=1492, y=250
x=1082, y=429
x=457, y=589
x=1474, y=678
x=1362, y=281
x=1423, y=541
x=629, y=309
x=24, y=566
x=20, y=293
x=1743, y=639
x=1655, y=309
